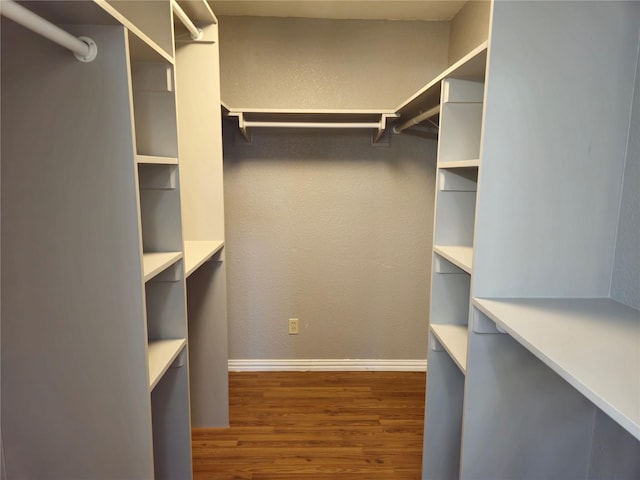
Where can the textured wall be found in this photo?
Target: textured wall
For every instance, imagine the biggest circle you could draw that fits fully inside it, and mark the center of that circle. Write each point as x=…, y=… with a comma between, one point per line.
x=316, y=63
x=625, y=285
x=321, y=225
x=327, y=228
x=469, y=28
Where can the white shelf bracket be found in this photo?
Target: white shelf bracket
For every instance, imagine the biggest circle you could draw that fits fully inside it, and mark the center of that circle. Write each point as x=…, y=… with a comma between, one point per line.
x=483, y=324
x=83, y=48
x=242, y=125
x=382, y=126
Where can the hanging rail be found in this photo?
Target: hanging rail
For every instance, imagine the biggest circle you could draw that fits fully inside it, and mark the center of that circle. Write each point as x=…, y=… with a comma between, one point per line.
x=379, y=126
x=84, y=48
x=195, y=32
x=432, y=112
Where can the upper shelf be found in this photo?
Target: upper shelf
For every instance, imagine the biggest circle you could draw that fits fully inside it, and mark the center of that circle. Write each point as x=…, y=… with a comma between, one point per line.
x=150, y=24
x=470, y=67
x=302, y=118
x=594, y=344
x=423, y=104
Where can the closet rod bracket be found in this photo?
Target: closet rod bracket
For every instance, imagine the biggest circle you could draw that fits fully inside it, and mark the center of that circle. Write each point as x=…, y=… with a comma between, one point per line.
x=93, y=50
x=84, y=48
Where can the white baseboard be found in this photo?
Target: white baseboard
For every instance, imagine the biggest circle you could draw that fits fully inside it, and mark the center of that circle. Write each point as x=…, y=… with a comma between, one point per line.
x=325, y=365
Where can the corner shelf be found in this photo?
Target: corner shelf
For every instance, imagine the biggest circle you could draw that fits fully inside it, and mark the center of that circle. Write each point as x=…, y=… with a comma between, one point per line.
x=470, y=67
x=460, y=256
x=161, y=354
x=155, y=262
x=454, y=339
x=198, y=252
x=593, y=344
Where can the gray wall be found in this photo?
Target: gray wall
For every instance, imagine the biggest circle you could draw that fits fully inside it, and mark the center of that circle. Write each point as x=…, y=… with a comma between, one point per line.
x=625, y=285
x=469, y=28
x=326, y=228
x=322, y=226
x=271, y=62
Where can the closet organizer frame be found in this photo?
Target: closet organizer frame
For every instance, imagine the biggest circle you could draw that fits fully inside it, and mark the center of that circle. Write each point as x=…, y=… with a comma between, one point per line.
x=460, y=120
x=201, y=168
x=595, y=411
x=159, y=399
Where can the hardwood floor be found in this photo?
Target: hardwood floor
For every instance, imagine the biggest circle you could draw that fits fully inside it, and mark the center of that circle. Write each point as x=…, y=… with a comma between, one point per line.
x=317, y=425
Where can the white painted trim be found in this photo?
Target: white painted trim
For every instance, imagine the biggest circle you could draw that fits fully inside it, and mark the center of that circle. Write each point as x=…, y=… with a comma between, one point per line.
x=325, y=365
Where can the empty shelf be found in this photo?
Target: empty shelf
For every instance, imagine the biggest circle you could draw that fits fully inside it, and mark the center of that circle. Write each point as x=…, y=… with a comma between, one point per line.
x=454, y=339
x=156, y=160
x=198, y=252
x=461, y=257
x=161, y=354
x=460, y=164
x=155, y=262
x=594, y=344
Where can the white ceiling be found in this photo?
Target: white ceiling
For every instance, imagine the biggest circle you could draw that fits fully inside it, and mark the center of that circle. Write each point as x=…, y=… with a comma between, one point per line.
x=352, y=9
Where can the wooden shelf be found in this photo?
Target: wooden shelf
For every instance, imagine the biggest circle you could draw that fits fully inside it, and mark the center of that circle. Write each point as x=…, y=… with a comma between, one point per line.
x=197, y=252
x=454, y=339
x=461, y=257
x=161, y=355
x=155, y=262
x=470, y=67
x=594, y=344
x=460, y=164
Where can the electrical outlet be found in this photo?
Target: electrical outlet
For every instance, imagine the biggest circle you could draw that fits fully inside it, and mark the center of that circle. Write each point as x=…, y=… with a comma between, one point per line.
x=293, y=326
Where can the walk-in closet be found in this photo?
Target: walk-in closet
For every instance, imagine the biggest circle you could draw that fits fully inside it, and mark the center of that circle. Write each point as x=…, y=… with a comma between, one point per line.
x=192, y=187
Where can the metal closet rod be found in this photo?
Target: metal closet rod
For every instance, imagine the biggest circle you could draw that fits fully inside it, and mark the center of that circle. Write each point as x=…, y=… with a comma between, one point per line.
x=84, y=48
x=194, y=31
x=432, y=112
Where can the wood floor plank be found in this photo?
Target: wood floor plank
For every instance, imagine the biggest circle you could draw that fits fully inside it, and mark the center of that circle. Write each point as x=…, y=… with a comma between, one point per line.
x=316, y=425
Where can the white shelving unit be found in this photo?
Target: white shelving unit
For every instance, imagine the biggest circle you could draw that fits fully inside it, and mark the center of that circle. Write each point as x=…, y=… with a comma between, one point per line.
x=457, y=177
x=533, y=225
x=200, y=141
x=104, y=172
